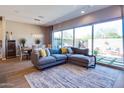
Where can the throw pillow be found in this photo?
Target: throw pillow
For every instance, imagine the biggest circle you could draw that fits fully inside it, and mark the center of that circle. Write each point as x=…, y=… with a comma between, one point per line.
x=54, y=51
x=43, y=53
x=64, y=50
x=47, y=52
x=70, y=51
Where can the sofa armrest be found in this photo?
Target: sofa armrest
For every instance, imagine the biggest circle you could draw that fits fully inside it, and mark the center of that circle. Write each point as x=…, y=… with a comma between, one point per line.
x=84, y=51
x=94, y=59
x=35, y=58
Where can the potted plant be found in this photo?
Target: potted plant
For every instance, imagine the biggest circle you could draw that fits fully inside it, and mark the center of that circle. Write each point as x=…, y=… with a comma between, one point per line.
x=23, y=41
x=37, y=41
x=95, y=52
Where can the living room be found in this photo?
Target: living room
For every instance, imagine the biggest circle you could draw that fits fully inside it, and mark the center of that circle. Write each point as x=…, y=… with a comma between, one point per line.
x=44, y=46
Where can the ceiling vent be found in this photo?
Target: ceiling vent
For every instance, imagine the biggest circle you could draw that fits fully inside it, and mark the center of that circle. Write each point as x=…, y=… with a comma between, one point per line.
x=37, y=19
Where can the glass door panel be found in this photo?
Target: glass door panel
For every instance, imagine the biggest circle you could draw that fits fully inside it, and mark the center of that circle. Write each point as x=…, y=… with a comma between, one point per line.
x=108, y=43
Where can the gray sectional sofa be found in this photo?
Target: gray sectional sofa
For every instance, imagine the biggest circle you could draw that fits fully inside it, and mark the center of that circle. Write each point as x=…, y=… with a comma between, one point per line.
x=79, y=57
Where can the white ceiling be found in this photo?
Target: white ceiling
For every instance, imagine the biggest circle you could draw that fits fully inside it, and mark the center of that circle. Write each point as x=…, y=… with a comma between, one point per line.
x=50, y=14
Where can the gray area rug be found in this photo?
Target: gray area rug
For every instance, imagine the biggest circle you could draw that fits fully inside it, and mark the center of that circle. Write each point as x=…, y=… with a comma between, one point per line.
x=70, y=76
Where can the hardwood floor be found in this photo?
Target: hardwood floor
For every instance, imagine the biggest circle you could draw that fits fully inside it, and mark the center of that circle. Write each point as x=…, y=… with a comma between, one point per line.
x=12, y=72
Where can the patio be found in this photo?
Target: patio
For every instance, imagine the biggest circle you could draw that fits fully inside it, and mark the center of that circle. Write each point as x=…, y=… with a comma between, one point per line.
x=110, y=61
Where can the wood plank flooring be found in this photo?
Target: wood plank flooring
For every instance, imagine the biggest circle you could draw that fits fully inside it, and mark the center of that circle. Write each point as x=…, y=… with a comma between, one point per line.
x=12, y=72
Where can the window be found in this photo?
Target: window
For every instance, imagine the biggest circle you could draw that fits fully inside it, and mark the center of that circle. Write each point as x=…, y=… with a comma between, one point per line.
x=108, y=40
x=83, y=36
x=67, y=39
x=57, y=39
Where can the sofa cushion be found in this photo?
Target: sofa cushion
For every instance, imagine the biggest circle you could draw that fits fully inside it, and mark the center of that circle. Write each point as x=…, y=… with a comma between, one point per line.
x=68, y=55
x=46, y=60
x=70, y=51
x=64, y=50
x=55, y=51
x=43, y=53
x=79, y=57
x=83, y=51
x=59, y=56
x=47, y=52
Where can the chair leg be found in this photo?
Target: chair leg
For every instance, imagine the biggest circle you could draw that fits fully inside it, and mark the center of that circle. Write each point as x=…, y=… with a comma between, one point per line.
x=87, y=67
x=27, y=57
x=20, y=57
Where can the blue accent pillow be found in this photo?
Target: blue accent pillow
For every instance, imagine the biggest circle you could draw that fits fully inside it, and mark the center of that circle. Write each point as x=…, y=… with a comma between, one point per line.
x=48, y=52
x=70, y=51
x=55, y=51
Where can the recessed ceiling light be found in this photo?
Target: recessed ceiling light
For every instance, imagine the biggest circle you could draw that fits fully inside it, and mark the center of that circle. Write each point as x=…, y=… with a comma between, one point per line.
x=82, y=12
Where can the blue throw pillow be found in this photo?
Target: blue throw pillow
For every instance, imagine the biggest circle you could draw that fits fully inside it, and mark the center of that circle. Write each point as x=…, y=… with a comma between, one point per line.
x=70, y=51
x=55, y=51
x=47, y=51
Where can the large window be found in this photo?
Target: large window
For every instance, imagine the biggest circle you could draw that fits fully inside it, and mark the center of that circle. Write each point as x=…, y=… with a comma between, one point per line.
x=108, y=42
x=57, y=39
x=83, y=37
x=67, y=38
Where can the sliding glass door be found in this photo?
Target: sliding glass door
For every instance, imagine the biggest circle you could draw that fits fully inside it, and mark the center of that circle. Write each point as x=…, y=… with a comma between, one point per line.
x=108, y=43
x=83, y=37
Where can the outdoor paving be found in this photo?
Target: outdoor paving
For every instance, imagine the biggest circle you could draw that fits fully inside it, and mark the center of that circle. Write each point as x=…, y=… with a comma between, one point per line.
x=110, y=60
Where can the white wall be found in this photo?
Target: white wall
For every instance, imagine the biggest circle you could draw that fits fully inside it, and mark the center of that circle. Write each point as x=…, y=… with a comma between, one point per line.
x=27, y=31
x=23, y=30
x=0, y=38
x=2, y=34
x=0, y=29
